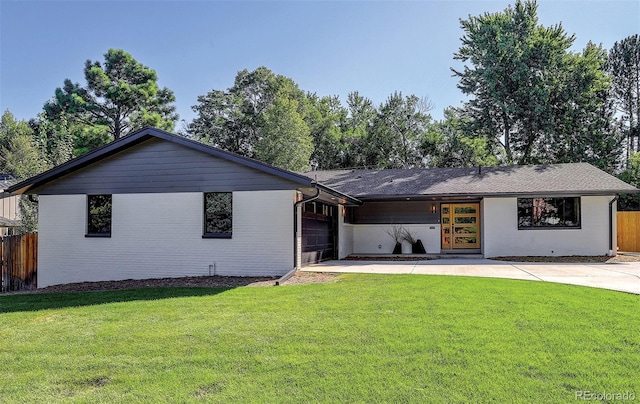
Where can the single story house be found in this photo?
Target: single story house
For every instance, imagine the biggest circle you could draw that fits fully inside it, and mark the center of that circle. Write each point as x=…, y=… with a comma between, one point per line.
x=154, y=204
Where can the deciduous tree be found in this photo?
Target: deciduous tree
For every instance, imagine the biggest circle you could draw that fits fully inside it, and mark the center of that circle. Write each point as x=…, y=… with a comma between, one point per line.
x=528, y=92
x=256, y=117
x=446, y=144
x=632, y=176
x=398, y=126
x=19, y=155
x=582, y=128
x=285, y=141
x=20, y=158
x=361, y=114
x=326, y=119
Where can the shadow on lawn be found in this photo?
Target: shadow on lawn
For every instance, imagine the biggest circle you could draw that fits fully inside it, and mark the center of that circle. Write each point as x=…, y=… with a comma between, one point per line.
x=43, y=301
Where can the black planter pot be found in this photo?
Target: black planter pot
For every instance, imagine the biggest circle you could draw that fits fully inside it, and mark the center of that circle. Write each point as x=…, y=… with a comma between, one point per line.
x=418, y=248
x=397, y=249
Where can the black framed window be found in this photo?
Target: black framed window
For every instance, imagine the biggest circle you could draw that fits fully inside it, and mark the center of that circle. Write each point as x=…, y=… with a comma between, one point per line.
x=99, y=209
x=218, y=214
x=545, y=213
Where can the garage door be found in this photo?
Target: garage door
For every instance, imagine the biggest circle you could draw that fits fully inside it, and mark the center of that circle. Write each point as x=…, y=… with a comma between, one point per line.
x=318, y=232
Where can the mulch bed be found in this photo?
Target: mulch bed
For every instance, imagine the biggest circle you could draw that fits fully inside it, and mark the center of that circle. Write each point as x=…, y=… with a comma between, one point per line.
x=188, y=282
x=573, y=259
x=386, y=258
x=298, y=278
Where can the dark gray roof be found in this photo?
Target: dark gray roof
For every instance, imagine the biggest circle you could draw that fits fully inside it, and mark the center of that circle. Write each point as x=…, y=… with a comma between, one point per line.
x=555, y=179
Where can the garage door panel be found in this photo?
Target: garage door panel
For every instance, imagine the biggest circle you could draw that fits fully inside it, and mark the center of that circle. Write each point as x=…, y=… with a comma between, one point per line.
x=317, y=237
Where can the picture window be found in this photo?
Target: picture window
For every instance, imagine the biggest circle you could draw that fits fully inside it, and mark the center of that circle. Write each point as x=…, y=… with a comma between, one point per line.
x=548, y=213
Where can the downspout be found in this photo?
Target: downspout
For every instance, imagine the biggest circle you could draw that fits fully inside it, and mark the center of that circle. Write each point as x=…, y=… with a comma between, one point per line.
x=295, y=225
x=611, y=254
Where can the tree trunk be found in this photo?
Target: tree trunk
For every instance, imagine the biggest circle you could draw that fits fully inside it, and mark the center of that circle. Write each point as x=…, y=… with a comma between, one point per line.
x=526, y=156
x=637, y=132
x=507, y=140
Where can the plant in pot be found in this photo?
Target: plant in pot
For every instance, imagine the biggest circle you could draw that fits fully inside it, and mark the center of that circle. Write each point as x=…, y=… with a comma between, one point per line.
x=416, y=245
x=397, y=234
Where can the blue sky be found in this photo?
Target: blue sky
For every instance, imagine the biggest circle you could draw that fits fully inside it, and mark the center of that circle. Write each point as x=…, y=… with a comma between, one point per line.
x=326, y=47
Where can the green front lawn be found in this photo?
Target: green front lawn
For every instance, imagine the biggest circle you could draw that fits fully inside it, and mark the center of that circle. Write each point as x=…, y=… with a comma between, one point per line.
x=365, y=338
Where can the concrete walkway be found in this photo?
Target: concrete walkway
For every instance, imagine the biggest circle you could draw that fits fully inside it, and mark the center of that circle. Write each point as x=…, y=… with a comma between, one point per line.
x=623, y=276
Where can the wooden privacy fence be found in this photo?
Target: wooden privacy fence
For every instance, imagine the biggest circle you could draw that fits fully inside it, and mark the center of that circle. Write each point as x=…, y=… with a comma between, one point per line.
x=19, y=262
x=628, y=224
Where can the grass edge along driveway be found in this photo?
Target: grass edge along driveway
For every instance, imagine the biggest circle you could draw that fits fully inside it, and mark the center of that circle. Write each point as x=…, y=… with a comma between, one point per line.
x=364, y=338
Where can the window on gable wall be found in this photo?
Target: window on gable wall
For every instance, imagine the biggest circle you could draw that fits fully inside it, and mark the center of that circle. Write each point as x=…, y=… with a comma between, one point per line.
x=99, y=210
x=218, y=215
x=546, y=213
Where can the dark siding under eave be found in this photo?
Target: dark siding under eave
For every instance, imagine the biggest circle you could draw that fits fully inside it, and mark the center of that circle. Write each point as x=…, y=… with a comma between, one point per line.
x=396, y=212
x=158, y=166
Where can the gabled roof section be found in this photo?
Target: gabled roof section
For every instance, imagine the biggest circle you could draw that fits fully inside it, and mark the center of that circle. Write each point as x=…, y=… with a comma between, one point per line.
x=139, y=137
x=554, y=179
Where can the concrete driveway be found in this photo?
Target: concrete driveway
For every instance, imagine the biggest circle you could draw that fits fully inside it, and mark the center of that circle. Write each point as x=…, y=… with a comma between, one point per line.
x=623, y=276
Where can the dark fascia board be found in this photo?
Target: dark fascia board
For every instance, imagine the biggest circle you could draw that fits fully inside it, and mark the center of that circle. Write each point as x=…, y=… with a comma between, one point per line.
x=350, y=200
x=139, y=137
x=564, y=193
x=427, y=197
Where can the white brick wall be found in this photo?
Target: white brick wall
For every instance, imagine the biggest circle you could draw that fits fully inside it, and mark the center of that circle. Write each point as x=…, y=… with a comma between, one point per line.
x=345, y=236
x=298, y=236
x=368, y=237
x=160, y=235
x=502, y=237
